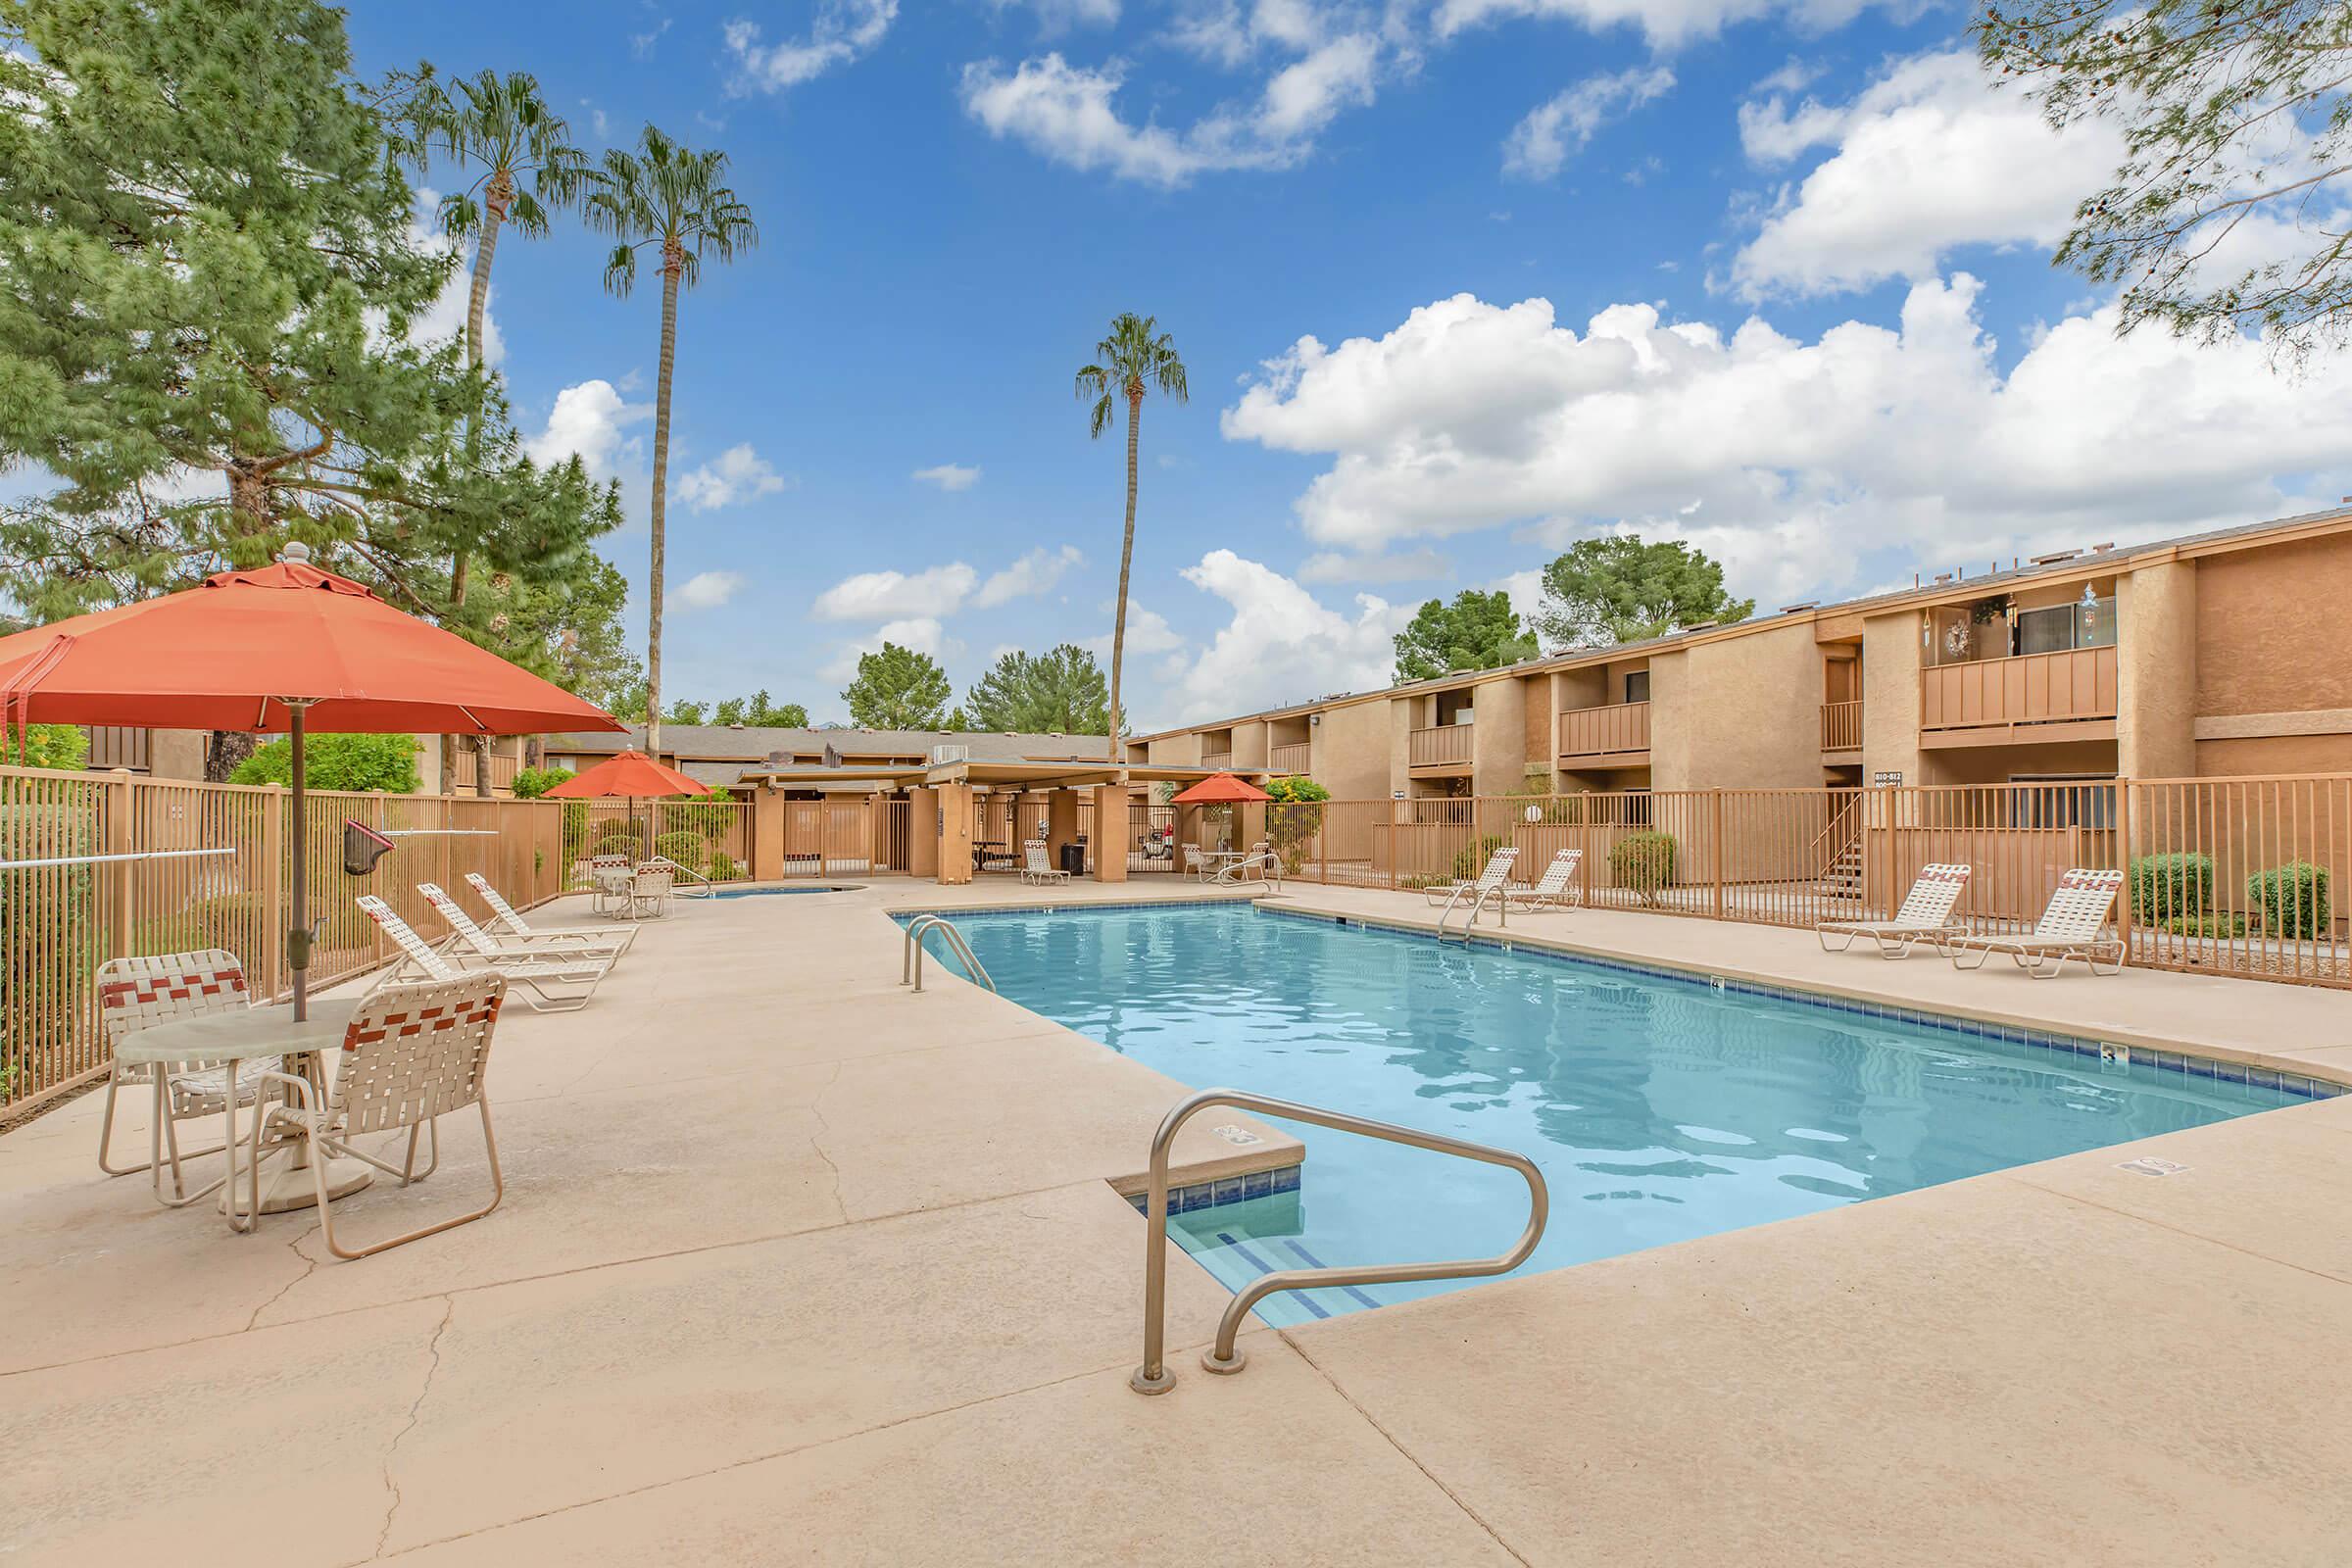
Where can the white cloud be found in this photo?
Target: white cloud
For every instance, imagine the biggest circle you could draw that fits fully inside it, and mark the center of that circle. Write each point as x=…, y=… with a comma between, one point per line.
x=738, y=474
x=1931, y=157
x=588, y=420
x=704, y=590
x=1148, y=632
x=1060, y=16
x=1034, y=573
x=1539, y=144
x=1330, y=566
x=886, y=594
x=924, y=634
x=1663, y=23
x=641, y=44
x=1277, y=630
x=950, y=477
x=1797, y=462
x=842, y=32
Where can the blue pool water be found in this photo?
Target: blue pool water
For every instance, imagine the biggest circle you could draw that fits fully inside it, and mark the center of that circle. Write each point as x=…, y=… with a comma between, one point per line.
x=1658, y=1107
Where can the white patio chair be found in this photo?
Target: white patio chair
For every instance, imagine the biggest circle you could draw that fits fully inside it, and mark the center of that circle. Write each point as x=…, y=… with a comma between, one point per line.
x=135, y=992
x=590, y=954
x=1497, y=872
x=410, y=1056
x=609, y=875
x=1925, y=917
x=552, y=985
x=507, y=921
x=1556, y=889
x=1035, y=870
x=2072, y=926
x=1196, y=862
x=650, y=891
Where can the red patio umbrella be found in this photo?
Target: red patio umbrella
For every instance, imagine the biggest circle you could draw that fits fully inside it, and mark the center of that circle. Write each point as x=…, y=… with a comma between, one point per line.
x=285, y=648
x=1221, y=789
x=627, y=776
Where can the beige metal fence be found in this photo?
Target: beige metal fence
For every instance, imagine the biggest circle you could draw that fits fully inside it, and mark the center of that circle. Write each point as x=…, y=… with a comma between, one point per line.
x=711, y=838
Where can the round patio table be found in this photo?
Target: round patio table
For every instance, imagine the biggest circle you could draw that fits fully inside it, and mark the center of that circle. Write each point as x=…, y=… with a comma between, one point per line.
x=233, y=1037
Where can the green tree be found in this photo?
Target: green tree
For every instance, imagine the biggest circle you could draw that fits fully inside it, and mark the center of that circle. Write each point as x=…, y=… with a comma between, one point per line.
x=333, y=762
x=667, y=197
x=2232, y=113
x=759, y=711
x=1620, y=590
x=532, y=782
x=570, y=629
x=897, y=688
x=1477, y=632
x=1135, y=357
x=527, y=165
x=63, y=747
x=684, y=712
x=1059, y=689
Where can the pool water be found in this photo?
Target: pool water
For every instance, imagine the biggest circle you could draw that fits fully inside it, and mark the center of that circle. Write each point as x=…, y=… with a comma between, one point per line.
x=1658, y=1107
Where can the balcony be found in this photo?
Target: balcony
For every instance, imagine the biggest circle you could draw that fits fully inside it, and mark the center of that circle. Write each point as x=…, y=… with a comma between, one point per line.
x=1222, y=761
x=2033, y=696
x=1619, y=730
x=502, y=771
x=1439, y=750
x=1293, y=757
x=1842, y=726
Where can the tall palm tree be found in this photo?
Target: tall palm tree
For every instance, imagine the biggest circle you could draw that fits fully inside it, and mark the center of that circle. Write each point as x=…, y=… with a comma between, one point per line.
x=527, y=167
x=664, y=195
x=1134, y=357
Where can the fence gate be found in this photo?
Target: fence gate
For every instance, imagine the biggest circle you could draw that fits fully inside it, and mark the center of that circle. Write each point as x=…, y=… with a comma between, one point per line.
x=1151, y=838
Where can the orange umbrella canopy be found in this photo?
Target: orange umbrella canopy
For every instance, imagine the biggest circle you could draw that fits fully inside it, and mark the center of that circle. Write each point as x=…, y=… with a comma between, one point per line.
x=631, y=775
x=1221, y=789
x=231, y=653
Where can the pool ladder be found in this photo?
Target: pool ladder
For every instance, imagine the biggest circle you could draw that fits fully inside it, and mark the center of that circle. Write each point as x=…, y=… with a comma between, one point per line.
x=1478, y=901
x=911, y=955
x=1154, y=1377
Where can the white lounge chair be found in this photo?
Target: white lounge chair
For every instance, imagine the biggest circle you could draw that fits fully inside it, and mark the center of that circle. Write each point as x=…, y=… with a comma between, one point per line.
x=2073, y=926
x=590, y=954
x=1496, y=873
x=410, y=1055
x=553, y=985
x=507, y=921
x=1925, y=917
x=1035, y=870
x=135, y=992
x=1261, y=865
x=1556, y=889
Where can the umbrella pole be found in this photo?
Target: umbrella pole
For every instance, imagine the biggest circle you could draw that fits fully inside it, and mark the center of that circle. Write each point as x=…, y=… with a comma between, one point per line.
x=298, y=931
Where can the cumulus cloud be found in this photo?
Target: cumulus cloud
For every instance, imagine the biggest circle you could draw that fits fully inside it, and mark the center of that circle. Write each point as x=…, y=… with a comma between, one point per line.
x=1928, y=158
x=1790, y=458
x=1274, y=629
x=922, y=634
x=1034, y=573
x=889, y=595
x=1554, y=131
x=704, y=590
x=589, y=420
x=1148, y=632
x=842, y=32
x=950, y=477
x=1664, y=23
x=1060, y=16
x=1330, y=566
x=737, y=475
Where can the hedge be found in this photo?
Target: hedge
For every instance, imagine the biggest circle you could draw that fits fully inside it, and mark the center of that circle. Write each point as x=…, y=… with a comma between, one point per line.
x=2293, y=900
x=2165, y=887
x=1642, y=864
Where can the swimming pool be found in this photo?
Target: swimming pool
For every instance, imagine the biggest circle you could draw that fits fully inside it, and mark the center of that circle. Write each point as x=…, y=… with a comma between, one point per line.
x=1659, y=1108
x=772, y=893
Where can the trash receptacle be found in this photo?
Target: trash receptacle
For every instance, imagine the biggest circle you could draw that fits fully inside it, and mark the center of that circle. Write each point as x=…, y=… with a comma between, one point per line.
x=1073, y=857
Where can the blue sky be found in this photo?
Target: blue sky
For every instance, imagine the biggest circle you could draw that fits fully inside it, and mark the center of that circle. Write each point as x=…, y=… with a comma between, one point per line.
x=1771, y=275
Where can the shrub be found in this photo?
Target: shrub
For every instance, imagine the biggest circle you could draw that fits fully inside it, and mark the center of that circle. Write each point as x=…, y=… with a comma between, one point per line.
x=532, y=782
x=682, y=848
x=619, y=841
x=1294, y=818
x=2293, y=900
x=1642, y=864
x=386, y=763
x=723, y=868
x=1295, y=791
x=63, y=747
x=2204, y=925
x=2166, y=886
x=1472, y=858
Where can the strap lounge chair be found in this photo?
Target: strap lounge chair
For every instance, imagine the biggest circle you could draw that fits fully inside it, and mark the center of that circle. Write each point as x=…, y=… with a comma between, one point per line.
x=505, y=921
x=410, y=1056
x=1556, y=889
x=1925, y=917
x=2073, y=926
x=135, y=992
x=553, y=985
x=591, y=954
x=1497, y=872
x=1035, y=870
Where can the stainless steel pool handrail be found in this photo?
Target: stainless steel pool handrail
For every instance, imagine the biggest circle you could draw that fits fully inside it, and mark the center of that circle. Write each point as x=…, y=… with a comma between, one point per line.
x=1152, y=1377
x=910, y=954
x=1478, y=901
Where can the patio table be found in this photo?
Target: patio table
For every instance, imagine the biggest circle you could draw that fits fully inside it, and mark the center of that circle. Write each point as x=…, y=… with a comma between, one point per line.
x=233, y=1037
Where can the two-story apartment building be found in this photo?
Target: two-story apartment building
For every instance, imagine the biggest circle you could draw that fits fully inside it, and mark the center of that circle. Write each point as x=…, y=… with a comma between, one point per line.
x=2213, y=654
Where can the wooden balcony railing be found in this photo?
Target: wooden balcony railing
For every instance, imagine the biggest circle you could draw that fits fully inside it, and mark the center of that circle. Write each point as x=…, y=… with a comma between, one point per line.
x=118, y=746
x=1292, y=757
x=1221, y=760
x=1842, y=726
x=502, y=769
x=1441, y=746
x=2031, y=689
x=1606, y=731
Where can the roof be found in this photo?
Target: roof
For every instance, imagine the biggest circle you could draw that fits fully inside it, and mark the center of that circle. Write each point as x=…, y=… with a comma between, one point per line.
x=1958, y=588
x=745, y=744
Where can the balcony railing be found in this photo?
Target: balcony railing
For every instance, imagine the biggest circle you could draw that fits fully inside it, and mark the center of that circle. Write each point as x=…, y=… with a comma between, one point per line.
x=1842, y=726
x=1222, y=762
x=2029, y=689
x=1608, y=731
x=502, y=769
x=1441, y=746
x=1292, y=757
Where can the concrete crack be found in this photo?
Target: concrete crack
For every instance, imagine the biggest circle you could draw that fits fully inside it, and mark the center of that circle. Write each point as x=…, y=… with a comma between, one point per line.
x=310, y=1266
x=449, y=1309
x=817, y=1142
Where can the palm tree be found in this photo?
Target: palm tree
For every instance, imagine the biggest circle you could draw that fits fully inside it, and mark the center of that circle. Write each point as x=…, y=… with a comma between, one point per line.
x=662, y=194
x=1127, y=363
x=501, y=126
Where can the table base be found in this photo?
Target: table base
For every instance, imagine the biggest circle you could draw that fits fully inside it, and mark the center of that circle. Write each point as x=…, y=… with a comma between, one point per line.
x=287, y=1185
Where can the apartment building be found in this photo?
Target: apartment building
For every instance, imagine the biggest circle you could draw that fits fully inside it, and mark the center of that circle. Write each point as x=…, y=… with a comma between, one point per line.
x=2213, y=654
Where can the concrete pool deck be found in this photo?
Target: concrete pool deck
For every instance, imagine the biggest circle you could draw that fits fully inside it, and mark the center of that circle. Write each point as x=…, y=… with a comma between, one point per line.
x=797, y=1266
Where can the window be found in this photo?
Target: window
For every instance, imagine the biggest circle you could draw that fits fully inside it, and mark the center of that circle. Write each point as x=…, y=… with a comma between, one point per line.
x=1636, y=686
x=2061, y=800
x=2087, y=622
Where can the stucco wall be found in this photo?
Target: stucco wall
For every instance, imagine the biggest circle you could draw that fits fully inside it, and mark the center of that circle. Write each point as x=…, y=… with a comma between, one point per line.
x=1995, y=764
x=2269, y=629
x=1352, y=749
x=1740, y=712
x=1891, y=696
x=1176, y=750
x=176, y=754
x=1499, y=750
x=2156, y=672
x=2254, y=756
